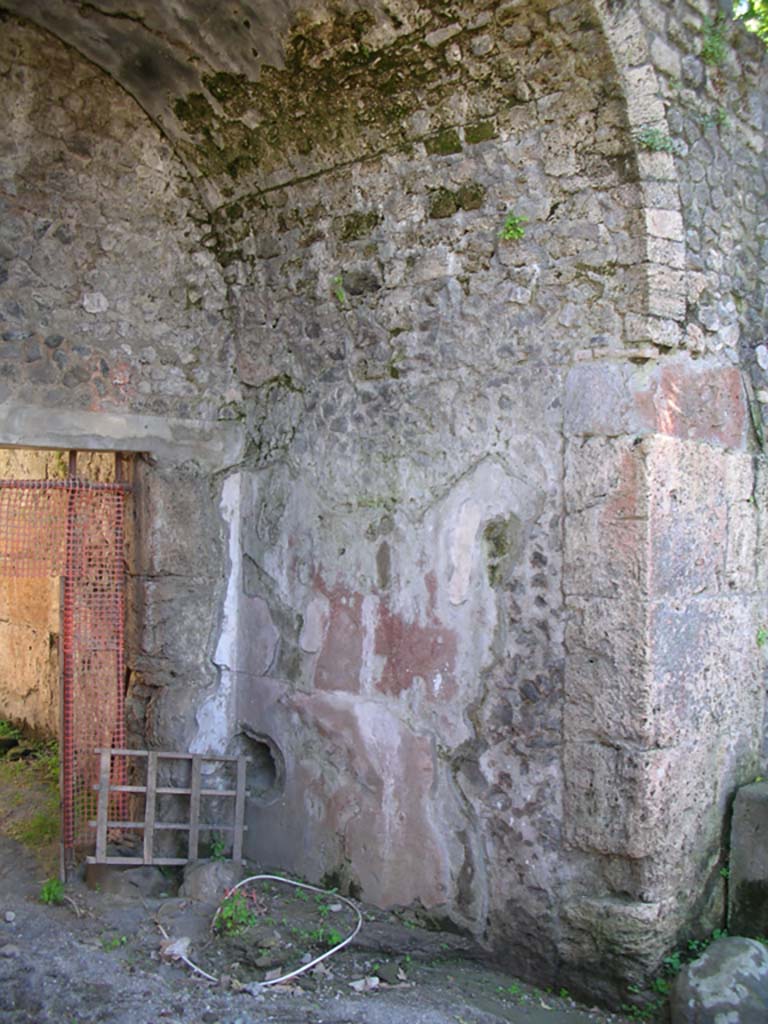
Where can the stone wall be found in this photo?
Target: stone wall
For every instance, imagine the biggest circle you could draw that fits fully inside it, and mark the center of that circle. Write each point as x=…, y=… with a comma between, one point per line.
x=477, y=290
x=108, y=298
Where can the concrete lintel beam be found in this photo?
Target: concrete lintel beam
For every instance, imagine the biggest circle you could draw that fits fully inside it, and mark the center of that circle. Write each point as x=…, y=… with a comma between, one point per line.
x=212, y=445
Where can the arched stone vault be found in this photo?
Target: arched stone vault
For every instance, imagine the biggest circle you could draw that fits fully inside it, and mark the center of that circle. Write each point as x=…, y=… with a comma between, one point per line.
x=456, y=553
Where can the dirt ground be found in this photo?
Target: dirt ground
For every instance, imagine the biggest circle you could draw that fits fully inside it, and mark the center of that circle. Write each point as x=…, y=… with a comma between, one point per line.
x=103, y=956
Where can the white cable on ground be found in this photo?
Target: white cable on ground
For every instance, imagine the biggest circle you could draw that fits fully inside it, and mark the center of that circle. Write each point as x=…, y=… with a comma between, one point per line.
x=311, y=888
x=299, y=970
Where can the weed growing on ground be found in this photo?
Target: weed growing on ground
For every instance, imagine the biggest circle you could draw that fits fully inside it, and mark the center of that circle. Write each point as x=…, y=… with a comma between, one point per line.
x=235, y=915
x=8, y=731
x=38, y=830
x=52, y=891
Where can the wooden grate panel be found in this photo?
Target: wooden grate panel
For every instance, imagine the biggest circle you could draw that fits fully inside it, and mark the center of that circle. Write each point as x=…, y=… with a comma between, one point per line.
x=150, y=823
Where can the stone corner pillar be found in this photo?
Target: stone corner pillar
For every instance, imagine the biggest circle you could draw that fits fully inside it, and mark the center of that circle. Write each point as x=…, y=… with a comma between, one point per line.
x=663, y=691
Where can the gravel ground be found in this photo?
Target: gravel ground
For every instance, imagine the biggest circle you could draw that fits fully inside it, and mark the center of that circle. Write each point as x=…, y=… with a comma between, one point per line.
x=97, y=958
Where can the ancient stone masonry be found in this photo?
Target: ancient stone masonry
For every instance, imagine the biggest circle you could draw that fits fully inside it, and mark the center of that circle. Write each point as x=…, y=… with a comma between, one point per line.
x=442, y=328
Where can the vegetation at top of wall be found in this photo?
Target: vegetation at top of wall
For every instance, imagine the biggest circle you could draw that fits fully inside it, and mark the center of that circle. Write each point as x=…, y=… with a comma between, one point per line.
x=754, y=14
x=714, y=45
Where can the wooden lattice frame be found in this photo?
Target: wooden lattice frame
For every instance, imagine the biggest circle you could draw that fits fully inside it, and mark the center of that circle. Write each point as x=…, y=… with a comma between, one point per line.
x=110, y=792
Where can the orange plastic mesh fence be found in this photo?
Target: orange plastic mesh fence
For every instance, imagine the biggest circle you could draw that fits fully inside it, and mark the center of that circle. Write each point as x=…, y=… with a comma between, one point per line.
x=73, y=529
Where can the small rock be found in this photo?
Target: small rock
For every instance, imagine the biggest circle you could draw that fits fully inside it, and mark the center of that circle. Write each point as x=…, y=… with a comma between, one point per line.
x=10, y=917
x=208, y=880
x=9, y=951
x=364, y=984
x=728, y=983
x=389, y=973
x=95, y=302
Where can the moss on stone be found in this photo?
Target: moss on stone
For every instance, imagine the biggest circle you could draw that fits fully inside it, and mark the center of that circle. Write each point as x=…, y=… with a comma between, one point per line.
x=444, y=143
x=481, y=132
x=356, y=225
x=471, y=196
x=194, y=112
x=442, y=203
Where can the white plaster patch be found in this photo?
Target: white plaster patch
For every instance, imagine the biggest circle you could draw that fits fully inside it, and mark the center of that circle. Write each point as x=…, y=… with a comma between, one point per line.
x=462, y=549
x=226, y=649
x=215, y=715
x=372, y=664
x=315, y=625
x=213, y=719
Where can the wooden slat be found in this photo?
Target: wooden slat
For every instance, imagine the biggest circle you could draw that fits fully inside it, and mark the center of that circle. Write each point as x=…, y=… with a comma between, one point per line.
x=124, y=789
x=102, y=810
x=159, y=826
x=125, y=861
x=194, y=808
x=237, y=843
x=150, y=808
x=173, y=755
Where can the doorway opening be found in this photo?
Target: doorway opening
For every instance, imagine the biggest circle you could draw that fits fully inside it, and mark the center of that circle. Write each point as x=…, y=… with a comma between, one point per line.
x=62, y=609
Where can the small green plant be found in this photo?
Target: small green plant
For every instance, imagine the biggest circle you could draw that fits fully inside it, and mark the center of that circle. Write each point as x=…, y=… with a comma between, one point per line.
x=112, y=944
x=52, y=891
x=235, y=915
x=725, y=872
x=8, y=731
x=218, y=847
x=300, y=894
x=655, y=140
x=762, y=636
x=509, y=990
x=714, y=45
x=338, y=290
x=512, y=229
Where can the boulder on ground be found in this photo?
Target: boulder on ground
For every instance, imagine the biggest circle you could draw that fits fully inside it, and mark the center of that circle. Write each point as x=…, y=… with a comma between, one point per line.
x=729, y=982
x=208, y=880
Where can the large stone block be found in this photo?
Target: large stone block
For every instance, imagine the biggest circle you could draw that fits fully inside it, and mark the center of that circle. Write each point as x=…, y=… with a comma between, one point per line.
x=728, y=983
x=693, y=400
x=748, y=881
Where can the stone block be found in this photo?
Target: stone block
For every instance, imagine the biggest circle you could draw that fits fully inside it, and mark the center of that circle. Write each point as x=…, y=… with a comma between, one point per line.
x=666, y=805
x=599, y=401
x=666, y=292
x=705, y=672
x=609, y=695
x=665, y=224
x=606, y=538
x=748, y=881
x=703, y=522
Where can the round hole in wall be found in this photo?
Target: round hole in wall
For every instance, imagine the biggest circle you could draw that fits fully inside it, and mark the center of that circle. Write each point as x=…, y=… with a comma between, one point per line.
x=265, y=773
